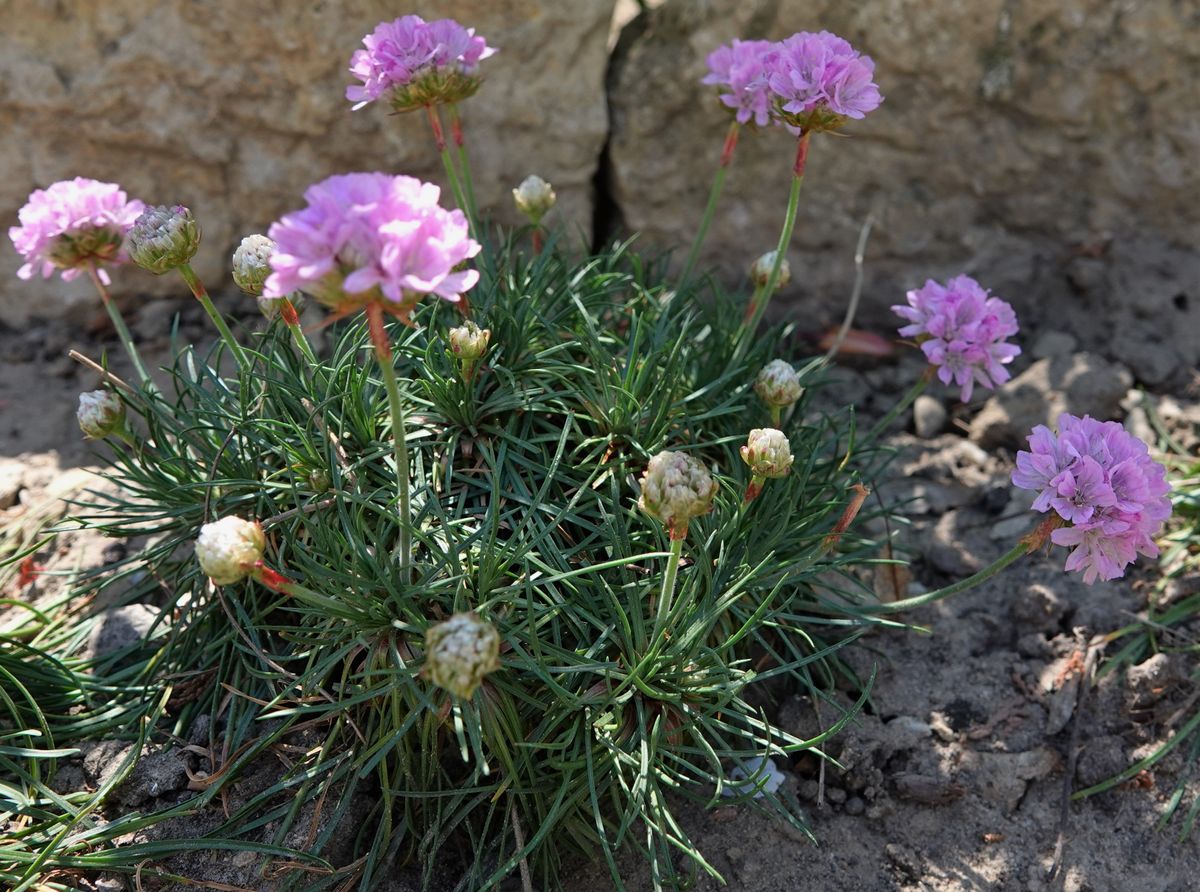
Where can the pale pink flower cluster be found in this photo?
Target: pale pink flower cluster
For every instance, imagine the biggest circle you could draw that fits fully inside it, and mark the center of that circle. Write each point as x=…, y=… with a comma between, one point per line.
x=739, y=71
x=370, y=235
x=808, y=81
x=962, y=332
x=72, y=224
x=1101, y=480
x=401, y=53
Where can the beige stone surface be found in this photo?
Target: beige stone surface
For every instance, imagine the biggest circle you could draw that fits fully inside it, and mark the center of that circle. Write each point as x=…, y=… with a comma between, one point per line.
x=1009, y=130
x=234, y=106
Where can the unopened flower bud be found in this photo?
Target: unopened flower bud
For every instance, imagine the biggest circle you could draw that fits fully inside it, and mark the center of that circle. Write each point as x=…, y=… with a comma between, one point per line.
x=469, y=342
x=318, y=480
x=760, y=271
x=100, y=413
x=164, y=238
x=228, y=549
x=768, y=453
x=460, y=652
x=251, y=263
x=778, y=385
x=534, y=197
x=676, y=488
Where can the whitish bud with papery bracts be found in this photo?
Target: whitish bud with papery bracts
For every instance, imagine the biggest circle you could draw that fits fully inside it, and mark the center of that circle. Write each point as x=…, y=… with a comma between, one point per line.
x=460, y=652
x=778, y=385
x=760, y=271
x=676, y=488
x=251, y=263
x=230, y=549
x=768, y=453
x=469, y=342
x=534, y=197
x=100, y=413
x=164, y=238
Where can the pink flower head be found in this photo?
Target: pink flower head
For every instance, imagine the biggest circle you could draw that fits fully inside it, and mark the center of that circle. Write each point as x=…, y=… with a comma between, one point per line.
x=962, y=332
x=370, y=236
x=739, y=71
x=418, y=63
x=818, y=81
x=72, y=224
x=1101, y=479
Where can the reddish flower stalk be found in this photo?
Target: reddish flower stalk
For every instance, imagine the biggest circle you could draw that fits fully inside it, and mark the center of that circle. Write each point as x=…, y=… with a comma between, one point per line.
x=801, y=153
x=847, y=518
x=731, y=138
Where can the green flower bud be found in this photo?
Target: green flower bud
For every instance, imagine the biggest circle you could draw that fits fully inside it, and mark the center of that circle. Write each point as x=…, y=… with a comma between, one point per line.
x=460, y=652
x=251, y=263
x=228, y=549
x=100, y=413
x=760, y=271
x=534, y=197
x=768, y=453
x=676, y=488
x=778, y=385
x=163, y=238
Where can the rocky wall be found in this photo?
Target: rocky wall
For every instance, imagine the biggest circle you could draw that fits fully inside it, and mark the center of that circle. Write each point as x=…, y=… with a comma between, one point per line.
x=1049, y=147
x=234, y=106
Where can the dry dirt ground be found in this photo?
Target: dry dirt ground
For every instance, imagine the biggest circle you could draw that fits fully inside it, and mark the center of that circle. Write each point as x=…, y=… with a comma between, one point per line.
x=954, y=777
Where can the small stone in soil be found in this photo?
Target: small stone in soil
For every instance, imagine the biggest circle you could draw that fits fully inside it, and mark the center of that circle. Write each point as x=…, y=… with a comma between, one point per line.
x=836, y=795
x=929, y=416
x=1152, y=679
x=1102, y=758
x=855, y=806
x=809, y=790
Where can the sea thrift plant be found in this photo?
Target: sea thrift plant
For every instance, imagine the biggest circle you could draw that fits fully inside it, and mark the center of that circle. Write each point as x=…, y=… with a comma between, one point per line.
x=416, y=64
x=739, y=72
x=229, y=549
x=371, y=238
x=100, y=413
x=460, y=652
x=438, y=563
x=675, y=489
x=769, y=456
x=72, y=226
x=163, y=238
x=1101, y=482
x=778, y=386
x=818, y=81
x=962, y=332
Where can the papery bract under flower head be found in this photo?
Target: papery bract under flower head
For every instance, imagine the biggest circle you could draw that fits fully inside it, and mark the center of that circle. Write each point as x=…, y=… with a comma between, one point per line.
x=371, y=236
x=417, y=63
x=739, y=71
x=1099, y=478
x=818, y=81
x=72, y=224
x=962, y=331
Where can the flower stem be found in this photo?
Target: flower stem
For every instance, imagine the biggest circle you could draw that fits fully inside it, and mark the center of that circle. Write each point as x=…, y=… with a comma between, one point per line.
x=383, y=355
x=277, y=582
x=464, y=164
x=785, y=237
x=122, y=330
x=1022, y=547
x=909, y=398
x=201, y=293
x=714, y=193
x=287, y=312
x=668, y=583
x=439, y=138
